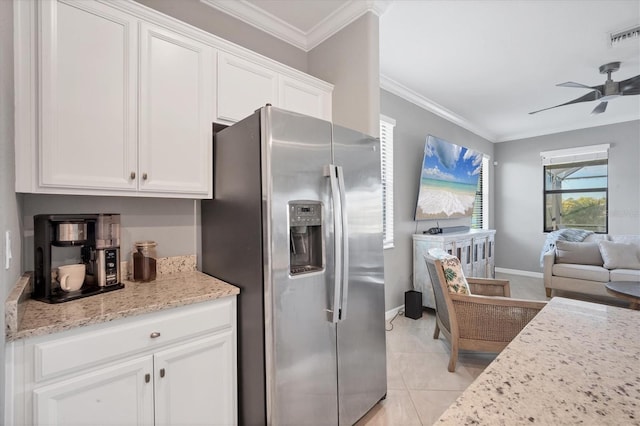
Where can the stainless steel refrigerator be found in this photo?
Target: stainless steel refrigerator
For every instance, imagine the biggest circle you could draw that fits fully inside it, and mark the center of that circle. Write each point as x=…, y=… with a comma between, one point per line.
x=296, y=224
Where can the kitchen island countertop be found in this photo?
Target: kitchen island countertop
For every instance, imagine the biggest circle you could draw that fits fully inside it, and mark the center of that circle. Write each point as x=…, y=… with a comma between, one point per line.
x=574, y=363
x=25, y=317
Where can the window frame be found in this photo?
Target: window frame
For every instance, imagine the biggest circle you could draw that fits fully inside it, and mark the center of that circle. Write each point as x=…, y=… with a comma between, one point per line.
x=575, y=156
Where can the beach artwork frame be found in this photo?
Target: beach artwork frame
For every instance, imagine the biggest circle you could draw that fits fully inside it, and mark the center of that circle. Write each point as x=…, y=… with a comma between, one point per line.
x=448, y=180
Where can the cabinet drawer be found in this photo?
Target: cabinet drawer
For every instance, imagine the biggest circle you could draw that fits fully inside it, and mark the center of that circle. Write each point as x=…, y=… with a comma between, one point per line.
x=99, y=344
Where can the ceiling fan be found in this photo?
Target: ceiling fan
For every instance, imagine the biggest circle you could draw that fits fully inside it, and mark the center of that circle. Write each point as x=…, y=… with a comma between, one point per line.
x=605, y=92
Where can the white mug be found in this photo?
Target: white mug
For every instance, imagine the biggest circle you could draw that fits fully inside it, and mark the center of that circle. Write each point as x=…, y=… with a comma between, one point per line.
x=71, y=277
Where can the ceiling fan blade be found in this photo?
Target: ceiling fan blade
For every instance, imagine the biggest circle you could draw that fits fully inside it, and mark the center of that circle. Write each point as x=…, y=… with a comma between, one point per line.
x=574, y=84
x=600, y=108
x=591, y=96
x=630, y=86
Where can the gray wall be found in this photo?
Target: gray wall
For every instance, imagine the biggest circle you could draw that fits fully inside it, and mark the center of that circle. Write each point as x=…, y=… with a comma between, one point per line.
x=215, y=22
x=350, y=60
x=413, y=124
x=171, y=223
x=518, y=189
x=9, y=202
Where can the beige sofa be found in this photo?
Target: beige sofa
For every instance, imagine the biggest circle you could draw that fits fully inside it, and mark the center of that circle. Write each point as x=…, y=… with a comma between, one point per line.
x=585, y=267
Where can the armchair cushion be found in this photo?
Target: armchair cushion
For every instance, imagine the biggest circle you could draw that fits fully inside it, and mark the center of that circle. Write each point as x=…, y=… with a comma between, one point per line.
x=456, y=282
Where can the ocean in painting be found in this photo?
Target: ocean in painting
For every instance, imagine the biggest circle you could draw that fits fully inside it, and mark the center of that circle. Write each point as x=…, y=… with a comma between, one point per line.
x=440, y=199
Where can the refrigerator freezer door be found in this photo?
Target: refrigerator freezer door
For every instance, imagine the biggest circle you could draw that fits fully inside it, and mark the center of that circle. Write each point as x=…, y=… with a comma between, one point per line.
x=362, y=375
x=300, y=339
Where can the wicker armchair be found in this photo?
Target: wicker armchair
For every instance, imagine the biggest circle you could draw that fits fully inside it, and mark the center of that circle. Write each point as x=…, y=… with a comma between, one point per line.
x=479, y=321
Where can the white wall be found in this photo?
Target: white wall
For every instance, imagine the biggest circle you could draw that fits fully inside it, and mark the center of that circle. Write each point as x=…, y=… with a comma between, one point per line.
x=9, y=202
x=519, y=185
x=413, y=124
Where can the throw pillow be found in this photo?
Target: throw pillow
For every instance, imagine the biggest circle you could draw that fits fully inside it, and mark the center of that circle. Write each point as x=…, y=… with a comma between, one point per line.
x=580, y=253
x=619, y=255
x=456, y=282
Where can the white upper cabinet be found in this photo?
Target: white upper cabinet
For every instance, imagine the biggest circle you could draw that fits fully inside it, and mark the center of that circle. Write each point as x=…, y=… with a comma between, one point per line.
x=299, y=96
x=88, y=77
x=243, y=87
x=114, y=98
x=246, y=84
x=176, y=97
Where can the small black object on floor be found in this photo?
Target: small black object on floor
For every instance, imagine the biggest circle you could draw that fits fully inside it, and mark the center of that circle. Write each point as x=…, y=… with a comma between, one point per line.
x=413, y=304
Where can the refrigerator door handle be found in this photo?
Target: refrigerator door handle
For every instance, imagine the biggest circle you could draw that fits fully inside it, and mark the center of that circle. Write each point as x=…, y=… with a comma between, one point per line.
x=344, y=287
x=332, y=172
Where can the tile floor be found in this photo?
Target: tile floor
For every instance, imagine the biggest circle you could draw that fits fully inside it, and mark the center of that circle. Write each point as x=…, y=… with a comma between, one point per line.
x=419, y=387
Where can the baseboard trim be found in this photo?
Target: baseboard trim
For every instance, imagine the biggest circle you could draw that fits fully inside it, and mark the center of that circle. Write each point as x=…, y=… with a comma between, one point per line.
x=393, y=312
x=520, y=272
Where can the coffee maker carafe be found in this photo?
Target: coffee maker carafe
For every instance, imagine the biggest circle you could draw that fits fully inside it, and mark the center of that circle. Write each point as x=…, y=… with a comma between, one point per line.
x=90, y=239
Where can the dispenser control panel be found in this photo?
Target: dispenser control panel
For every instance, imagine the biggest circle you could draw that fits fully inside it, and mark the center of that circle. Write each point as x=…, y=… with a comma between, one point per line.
x=305, y=215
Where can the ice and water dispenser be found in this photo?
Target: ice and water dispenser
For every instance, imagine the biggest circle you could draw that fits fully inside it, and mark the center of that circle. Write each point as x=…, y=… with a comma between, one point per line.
x=305, y=237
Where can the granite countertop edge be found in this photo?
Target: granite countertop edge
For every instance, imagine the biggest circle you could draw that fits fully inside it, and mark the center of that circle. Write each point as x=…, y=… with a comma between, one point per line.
x=26, y=317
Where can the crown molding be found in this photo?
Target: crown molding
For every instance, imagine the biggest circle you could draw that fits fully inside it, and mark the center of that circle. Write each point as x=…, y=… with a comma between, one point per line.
x=409, y=95
x=270, y=24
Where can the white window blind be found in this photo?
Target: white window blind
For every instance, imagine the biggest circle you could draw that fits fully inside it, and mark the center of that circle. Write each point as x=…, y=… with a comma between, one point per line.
x=480, y=216
x=386, y=154
x=575, y=155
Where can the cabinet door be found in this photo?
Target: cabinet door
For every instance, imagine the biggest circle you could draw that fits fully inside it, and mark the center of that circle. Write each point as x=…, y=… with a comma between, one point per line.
x=116, y=395
x=301, y=97
x=243, y=87
x=88, y=107
x=195, y=383
x=176, y=99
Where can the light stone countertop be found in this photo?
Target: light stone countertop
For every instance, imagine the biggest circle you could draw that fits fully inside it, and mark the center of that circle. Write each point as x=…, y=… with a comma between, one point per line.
x=574, y=363
x=26, y=317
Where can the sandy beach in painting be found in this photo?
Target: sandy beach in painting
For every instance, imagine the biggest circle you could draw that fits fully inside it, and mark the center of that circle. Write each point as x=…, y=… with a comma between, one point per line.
x=450, y=202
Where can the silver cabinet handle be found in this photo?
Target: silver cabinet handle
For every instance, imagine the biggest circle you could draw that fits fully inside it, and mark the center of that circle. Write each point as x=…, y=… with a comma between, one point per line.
x=144, y=176
x=154, y=335
x=132, y=175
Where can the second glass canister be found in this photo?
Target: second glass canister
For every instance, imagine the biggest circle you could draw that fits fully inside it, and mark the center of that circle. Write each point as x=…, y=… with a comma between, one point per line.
x=144, y=261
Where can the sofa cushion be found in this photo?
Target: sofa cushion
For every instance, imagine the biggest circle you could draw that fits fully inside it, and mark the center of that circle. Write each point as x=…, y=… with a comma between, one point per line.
x=625, y=275
x=619, y=255
x=581, y=272
x=578, y=252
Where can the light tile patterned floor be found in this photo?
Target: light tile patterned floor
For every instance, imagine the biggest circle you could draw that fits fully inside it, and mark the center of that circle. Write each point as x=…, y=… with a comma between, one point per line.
x=419, y=387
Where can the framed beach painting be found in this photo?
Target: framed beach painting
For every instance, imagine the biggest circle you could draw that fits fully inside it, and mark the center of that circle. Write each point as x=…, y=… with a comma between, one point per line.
x=448, y=180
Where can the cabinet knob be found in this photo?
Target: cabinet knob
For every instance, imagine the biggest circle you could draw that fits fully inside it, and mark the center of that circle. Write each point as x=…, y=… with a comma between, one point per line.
x=154, y=335
x=162, y=372
x=147, y=378
x=144, y=176
x=132, y=175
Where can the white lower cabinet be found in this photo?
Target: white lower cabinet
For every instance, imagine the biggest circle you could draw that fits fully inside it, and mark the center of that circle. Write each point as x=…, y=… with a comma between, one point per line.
x=192, y=383
x=118, y=395
x=176, y=367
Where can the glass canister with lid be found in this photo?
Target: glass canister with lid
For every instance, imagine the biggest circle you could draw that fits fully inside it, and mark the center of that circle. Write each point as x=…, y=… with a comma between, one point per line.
x=144, y=261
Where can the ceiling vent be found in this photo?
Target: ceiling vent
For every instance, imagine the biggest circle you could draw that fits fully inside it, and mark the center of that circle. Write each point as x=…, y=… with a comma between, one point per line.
x=622, y=37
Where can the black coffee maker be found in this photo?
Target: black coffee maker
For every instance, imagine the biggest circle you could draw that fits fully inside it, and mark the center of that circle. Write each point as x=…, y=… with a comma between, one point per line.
x=94, y=239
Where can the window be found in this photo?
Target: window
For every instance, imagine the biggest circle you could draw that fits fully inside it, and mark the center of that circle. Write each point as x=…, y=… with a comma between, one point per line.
x=386, y=154
x=576, y=189
x=480, y=216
